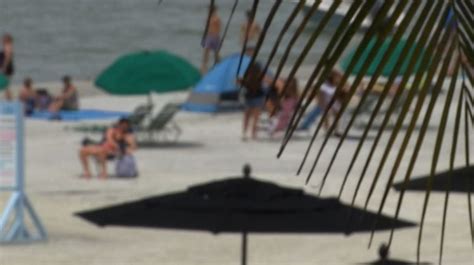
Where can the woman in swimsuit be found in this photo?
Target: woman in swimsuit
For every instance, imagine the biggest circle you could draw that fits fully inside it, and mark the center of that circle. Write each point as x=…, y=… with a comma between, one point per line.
x=118, y=139
x=254, y=86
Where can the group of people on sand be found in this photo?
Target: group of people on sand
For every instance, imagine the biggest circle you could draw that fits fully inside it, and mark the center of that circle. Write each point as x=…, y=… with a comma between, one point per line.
x=41, y=100
x=36, y=99
x=279, y=98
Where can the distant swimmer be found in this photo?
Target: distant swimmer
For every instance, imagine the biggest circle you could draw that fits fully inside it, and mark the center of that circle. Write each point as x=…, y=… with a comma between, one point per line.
x=211, y=39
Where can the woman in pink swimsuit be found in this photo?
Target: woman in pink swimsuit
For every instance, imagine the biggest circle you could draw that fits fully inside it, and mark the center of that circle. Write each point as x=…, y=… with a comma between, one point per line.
x=117, y=139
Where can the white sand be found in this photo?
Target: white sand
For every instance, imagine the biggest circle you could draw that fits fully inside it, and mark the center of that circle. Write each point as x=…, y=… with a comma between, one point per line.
x=57, y=193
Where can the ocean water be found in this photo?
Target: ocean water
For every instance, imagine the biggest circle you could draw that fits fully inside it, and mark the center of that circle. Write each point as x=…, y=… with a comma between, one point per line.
x=82, y=37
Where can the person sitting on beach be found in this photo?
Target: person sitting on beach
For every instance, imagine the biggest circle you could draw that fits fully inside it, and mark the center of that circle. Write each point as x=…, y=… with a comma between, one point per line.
x=28, y=96
x=69, y=98
x=6, y=61
x=117, y=140
x=211, y=41
x=250, y=30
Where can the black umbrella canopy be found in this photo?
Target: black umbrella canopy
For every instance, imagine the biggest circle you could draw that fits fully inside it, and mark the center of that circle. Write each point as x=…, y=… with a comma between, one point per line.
x=241, y=204
x=462, y=180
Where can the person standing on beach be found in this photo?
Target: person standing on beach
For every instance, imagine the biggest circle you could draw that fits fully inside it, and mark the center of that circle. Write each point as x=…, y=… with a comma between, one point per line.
x=211, y=40
x=6, y=61
x=250, y=30
x=255, y=91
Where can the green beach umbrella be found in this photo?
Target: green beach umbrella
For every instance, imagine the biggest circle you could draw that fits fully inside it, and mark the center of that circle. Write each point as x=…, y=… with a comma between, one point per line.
x=389, y=67
x=145, y=72
x=3, y=82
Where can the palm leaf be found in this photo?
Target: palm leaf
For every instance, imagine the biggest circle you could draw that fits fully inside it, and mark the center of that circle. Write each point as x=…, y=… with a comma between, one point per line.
x=434, y=27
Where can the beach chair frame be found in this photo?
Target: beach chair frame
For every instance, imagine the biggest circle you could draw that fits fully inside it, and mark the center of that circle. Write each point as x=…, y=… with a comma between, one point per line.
x=161, y=128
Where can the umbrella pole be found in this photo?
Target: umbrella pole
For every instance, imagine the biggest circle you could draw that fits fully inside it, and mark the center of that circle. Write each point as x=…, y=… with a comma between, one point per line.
x=244, y=248
x=150, y=99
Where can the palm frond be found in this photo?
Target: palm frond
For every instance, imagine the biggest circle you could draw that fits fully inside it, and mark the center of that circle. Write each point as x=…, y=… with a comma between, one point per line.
x=434, y=27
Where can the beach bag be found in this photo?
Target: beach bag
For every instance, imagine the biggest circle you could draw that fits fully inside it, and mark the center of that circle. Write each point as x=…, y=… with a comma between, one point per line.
x=126, y=167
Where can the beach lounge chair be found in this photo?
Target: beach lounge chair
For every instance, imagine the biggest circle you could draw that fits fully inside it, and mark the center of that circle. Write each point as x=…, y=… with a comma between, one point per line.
x=161, y=127
x=137, y=118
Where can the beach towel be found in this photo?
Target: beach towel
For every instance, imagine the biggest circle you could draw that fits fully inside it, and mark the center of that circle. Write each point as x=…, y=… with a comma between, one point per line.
x=79, y=115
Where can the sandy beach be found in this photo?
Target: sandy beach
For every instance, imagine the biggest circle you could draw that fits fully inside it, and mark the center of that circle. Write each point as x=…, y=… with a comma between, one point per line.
x=209, y=149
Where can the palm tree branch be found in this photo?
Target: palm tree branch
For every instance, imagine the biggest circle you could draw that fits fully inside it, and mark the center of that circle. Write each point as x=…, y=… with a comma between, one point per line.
x=293, y=40
x=310, y=43
x=282, y=33
x=266, y=26
x=421, y=96
x=355, y=85
x=412, y=92
x=329, y=62
x=396, y=38
x=338, y=42
x=417, y=29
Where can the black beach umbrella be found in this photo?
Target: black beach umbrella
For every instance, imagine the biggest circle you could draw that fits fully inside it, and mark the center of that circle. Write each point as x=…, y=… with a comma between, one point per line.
x=241, y=205
x=459, y=180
